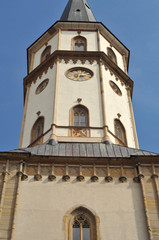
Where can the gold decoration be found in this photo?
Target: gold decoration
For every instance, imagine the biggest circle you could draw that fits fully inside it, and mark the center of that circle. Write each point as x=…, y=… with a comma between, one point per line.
x=79, y=74
x=78, y=132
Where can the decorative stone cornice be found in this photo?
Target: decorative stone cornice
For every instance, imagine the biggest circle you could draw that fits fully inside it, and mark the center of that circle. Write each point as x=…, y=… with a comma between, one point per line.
x=38, y=177
x=154, y=176
x=122, y=179
x=140, y=176
x=136, y=179
x=19, y=174
x=5, y=173
x=108, y=178
x=52, y=177
x=74, y=56
x=24, y=177
x=78, y=27
x=66, y=178
x=94, y=178
x=80, y=178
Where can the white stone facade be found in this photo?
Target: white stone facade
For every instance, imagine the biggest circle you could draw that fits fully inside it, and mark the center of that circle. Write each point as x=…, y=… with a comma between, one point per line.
x=42, y=207
x=61, y=94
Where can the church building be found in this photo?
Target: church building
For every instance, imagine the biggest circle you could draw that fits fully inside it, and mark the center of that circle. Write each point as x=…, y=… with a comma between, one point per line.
x=78, y=173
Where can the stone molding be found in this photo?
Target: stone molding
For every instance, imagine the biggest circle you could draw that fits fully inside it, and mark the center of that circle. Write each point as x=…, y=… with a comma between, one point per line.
x=80, y=27
x=38, y=177
x=52, y=178
x=80, y=178
x=74, y=56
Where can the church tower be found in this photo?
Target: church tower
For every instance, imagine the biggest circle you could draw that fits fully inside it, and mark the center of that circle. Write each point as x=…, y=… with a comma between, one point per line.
x=78, y=173
x=77, y=88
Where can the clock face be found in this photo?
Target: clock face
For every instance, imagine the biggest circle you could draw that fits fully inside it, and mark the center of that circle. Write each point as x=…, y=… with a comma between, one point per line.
x=79, y=74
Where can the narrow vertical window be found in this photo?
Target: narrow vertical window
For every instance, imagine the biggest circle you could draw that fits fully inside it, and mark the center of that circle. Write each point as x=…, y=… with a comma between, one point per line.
x=82, y=225
x=76, y=231
x=80, y=116
x=37, y=129
x=46, y=53
x=111, y=55
x=81, y=229
x=82, y=119
x=120, y=131
x=79, y=121
x=76, y=119
x=86, y=231
x=79, y=43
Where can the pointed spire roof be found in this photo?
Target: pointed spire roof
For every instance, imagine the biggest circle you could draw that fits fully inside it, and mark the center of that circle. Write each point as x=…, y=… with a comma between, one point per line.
x=78, y=10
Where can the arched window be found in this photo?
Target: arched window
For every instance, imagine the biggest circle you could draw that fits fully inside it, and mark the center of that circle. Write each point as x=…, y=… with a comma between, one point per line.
x=79, y=43
x=111, y=55
x=79, y=121
x=80, y=116
x=120, y=132
x=81, y=228
x=37, y=129
x=46, y=53
x=82, y=225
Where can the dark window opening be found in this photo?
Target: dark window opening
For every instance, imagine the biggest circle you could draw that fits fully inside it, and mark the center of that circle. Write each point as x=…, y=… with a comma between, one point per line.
x=81, y=229
x=46, y=53
x=111, y=55
x=80, y=116
x=37, y=129
x=79, y=43
x=120, y=131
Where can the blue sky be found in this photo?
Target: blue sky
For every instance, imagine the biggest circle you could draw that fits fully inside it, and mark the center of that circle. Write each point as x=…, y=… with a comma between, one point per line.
x=135, y=23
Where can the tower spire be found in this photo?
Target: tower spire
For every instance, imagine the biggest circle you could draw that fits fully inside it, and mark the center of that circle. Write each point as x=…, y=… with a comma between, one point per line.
x=78, y=10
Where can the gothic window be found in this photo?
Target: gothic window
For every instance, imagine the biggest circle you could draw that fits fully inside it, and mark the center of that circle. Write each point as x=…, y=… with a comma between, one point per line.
x=81, y=229
x=120, y=132
x=79, y=43
x=111, y=55
x=82, y=225
x=46, y=53
x=37, y=129
x=79, y=121
x=80, y=116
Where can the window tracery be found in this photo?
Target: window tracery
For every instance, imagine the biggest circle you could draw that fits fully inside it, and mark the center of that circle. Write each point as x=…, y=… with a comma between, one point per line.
x=82, y=225
x=81, y=229
x=79, y=43
x=79, y=119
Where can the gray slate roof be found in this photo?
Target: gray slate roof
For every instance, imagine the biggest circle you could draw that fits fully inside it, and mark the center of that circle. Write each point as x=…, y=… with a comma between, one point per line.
x=84, y=150
x=78, y=10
